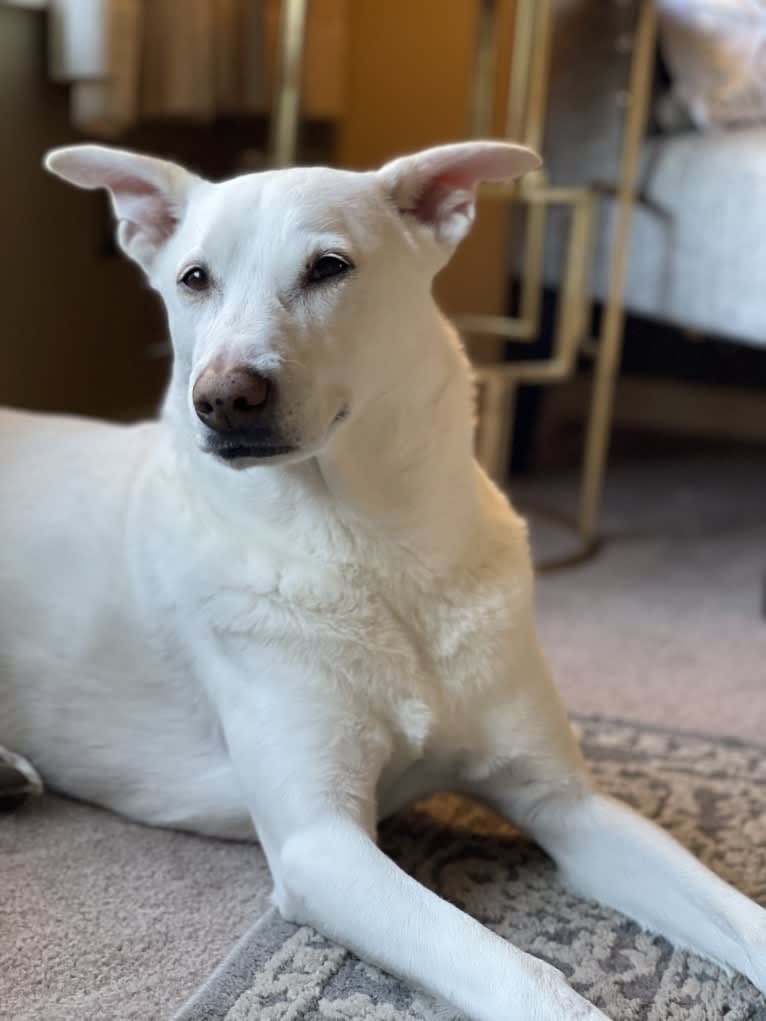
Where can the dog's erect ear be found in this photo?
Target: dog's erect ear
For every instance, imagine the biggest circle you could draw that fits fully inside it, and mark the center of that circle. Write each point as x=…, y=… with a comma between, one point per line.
x=437, y=186
x=148, y=195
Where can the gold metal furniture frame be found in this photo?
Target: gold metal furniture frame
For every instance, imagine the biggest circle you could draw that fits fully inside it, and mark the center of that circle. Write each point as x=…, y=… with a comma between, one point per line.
x=286, y=105
x=498, y=383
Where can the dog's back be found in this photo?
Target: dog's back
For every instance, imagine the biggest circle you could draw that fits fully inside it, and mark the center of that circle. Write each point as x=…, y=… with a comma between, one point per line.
x=60, y=471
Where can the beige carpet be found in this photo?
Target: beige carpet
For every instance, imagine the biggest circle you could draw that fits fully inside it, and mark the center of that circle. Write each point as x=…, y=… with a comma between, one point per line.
x=668, y=624
x=104, y=920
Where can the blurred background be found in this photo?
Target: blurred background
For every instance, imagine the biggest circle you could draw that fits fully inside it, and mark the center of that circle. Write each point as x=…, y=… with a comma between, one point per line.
x=614, y=303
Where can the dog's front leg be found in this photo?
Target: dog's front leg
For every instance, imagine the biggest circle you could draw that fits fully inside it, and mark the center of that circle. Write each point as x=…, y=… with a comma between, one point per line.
x=605, y=850
x=308, y=771
x=334, y=877
x=609, y=853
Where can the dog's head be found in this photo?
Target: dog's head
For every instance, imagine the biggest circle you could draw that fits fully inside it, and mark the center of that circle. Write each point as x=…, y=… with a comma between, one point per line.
x=293, y=296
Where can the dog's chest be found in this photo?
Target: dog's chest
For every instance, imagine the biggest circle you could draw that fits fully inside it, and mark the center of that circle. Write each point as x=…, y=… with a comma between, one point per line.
x=420, y=659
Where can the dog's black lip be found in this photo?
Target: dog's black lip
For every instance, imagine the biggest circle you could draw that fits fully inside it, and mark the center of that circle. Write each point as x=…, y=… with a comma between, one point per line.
x=242, y=450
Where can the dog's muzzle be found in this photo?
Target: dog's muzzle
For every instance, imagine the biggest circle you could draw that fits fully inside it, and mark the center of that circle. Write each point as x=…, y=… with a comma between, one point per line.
x=237, y=406
x=254, y=445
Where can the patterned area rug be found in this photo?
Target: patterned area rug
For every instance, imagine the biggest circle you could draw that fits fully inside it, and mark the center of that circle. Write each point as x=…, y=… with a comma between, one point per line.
x=711, y=794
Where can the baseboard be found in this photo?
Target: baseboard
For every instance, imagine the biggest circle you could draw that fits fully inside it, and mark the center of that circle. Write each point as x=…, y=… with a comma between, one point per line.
x=692, y=409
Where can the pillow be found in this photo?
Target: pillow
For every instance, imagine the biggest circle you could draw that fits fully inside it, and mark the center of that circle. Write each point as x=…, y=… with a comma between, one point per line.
x=715, y=51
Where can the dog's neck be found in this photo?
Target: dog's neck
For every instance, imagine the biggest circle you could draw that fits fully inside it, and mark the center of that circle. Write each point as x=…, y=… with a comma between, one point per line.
x=398, y=475
x=405, y=469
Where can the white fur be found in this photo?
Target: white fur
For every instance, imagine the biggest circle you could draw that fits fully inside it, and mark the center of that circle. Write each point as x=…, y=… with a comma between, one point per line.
x=309, y=643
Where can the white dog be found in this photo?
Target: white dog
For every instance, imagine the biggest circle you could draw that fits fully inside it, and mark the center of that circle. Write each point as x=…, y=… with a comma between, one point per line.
x=295, y=603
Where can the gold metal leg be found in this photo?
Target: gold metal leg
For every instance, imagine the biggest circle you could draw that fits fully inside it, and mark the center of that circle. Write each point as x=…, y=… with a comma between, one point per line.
x=610, y=343
x=482, y=100
x=499, y=382
x=497, y=393
x=285, y=117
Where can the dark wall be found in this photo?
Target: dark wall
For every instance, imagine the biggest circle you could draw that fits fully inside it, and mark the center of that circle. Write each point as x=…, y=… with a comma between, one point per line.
x=77, y=321
x=80, y=328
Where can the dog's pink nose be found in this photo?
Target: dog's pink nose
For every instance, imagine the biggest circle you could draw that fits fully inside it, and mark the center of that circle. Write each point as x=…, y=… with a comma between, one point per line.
x=230, y=400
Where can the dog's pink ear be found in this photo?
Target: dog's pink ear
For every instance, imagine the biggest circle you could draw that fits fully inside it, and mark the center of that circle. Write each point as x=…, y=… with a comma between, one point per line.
x=437, y=186
x=148, y=195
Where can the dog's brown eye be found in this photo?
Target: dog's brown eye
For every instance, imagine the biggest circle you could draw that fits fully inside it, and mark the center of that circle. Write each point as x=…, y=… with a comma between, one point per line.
x=326, y=267
x=195, y=278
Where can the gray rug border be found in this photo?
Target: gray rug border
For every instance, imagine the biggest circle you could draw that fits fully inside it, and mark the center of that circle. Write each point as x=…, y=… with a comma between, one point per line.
x=223, y=987
x=236, y=971
x=657, y=728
